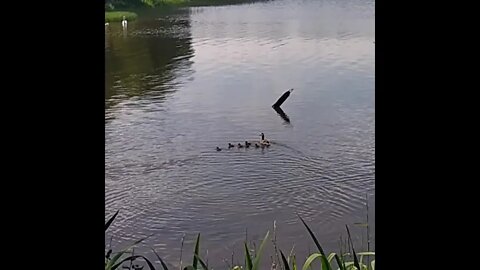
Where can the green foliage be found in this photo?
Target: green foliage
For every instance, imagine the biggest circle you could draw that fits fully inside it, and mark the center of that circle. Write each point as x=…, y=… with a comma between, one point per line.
x=117, y=16
x=326, y=262
x=115, y=4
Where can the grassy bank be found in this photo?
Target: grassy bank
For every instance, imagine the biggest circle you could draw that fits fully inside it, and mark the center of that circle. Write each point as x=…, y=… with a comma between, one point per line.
x=194, y=3
x=347, y=259
x=117, y=16
x=113, y=15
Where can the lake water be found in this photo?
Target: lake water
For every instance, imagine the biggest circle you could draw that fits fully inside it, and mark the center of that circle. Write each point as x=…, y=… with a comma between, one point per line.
x=179, y=83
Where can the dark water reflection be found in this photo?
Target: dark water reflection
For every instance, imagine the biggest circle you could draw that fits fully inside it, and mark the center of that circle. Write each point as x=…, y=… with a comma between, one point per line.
x=148, y=58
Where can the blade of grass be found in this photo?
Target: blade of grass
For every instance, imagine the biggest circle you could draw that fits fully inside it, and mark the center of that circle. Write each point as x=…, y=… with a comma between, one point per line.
x=181, y=252
x=349, y=266
x=310, y=259
x=355, y=259
x=274, y=241
x=160, y=259
x=132, y=258
x=195, y=255
x=114, y=260
x=341, y=265
x=131, y=261
x=119, y=254
x=206, y=256
x=201, y=262
x=256, y=262
x=330, y=256
x=291, y=253
x=248, y=258
x=313, y=236
x=325, y=264
x=371, y=253
x=285, y=262
x=368, y=227
x=109, y=222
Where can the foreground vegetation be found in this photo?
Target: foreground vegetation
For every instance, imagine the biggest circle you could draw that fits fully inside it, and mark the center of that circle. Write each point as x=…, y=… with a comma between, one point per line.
x=349, y=260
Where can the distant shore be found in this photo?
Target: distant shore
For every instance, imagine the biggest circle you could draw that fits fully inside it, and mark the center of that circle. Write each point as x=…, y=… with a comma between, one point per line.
x=115, y=14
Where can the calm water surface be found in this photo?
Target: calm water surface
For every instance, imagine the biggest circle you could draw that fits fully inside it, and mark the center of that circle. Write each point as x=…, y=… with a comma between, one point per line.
x=180, y=83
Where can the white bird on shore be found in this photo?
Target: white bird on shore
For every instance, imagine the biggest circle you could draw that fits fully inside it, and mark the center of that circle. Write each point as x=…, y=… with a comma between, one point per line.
x=124, y=22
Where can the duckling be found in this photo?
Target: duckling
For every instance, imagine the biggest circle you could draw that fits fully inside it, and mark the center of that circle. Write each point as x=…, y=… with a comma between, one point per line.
x=265, y=143
x=230, y=145
x=240, y=145
x=219, y=149
x=247, y=144
x=257, y=146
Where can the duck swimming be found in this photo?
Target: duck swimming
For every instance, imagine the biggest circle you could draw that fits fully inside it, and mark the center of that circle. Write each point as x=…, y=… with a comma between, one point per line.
x=257, y=146
x=263, y=141
x=240, y=145
x=230, y=145
x=219, y=149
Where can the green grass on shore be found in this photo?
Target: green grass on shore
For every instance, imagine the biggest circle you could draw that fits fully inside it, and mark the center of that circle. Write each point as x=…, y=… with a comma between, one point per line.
x=117, y=16
x=112, y=15
x=196, y=3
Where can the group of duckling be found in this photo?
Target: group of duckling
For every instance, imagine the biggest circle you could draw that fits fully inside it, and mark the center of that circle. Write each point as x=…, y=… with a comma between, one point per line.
x=262, y=144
